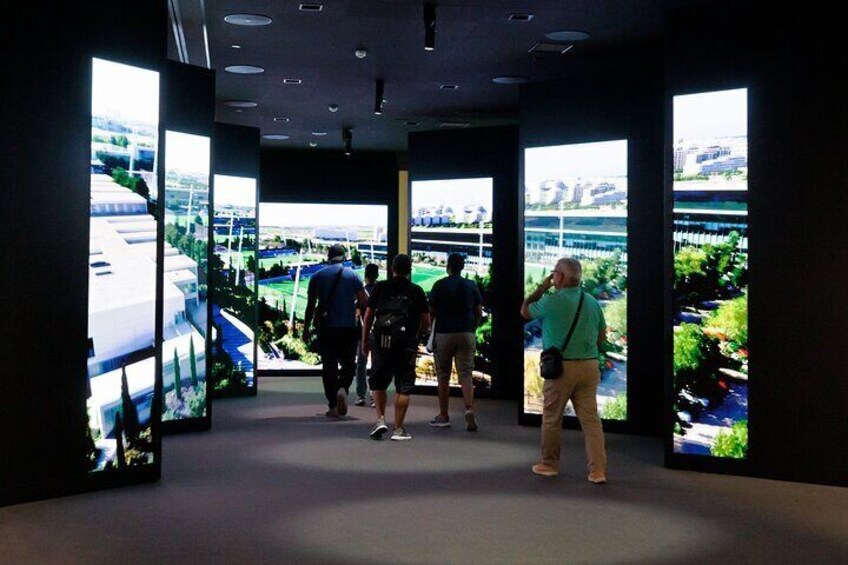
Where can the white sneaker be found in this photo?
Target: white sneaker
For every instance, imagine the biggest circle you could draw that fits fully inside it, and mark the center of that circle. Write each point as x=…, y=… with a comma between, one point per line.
x=380, y=429
x=400, y=435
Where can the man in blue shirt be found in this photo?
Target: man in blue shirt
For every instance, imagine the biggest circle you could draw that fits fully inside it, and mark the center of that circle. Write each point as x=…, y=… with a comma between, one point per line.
x=335, y=293
x=580, y=376
x=458, y=309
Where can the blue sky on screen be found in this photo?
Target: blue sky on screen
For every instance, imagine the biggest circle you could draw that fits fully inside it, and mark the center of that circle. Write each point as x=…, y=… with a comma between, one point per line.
x=456, y=193
x=186, y=153
x=285, y=215
x=580, y=160
x=723, y=113
x=125, y=93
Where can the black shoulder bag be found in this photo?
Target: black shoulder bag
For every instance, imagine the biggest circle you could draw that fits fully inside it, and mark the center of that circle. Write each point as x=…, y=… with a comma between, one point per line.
x=550, y=360
x=325, y=308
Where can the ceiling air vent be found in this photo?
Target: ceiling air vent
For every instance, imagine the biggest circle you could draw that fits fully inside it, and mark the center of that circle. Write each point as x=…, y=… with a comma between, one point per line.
x=292, y=81
x=454, y=125
x=311, y=7
x=449, y=87
x=520, y=17
x=550, y=48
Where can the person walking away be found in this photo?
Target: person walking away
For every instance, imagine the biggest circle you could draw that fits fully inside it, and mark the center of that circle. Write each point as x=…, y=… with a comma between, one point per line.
x=457, y=306
x=398, y=313
x=579, y=380
x=372, y=273
x=333, y=296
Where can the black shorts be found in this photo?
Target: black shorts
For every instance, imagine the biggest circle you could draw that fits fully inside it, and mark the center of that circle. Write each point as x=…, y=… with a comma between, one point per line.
x=397, y=364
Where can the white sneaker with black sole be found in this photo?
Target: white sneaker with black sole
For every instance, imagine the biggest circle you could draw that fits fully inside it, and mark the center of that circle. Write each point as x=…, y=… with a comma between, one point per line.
x=400, y=435
x=380, y=429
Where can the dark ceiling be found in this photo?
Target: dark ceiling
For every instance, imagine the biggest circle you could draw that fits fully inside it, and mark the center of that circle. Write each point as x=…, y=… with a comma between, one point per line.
x=475, y=42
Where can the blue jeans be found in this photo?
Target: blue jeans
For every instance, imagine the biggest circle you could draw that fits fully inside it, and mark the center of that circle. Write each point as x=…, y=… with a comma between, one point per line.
x=361, y=372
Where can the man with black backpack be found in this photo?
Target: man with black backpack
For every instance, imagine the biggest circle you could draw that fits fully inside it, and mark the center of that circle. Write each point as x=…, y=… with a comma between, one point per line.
x=333, y=296
x=397, y=312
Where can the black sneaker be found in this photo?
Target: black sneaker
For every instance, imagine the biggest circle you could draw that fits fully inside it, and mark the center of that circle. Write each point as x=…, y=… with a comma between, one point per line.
x=341, y=402
x=380, y=429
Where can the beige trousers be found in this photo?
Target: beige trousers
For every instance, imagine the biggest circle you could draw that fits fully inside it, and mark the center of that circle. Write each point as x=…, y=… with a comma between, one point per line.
x=579, y=383
x=456, y=348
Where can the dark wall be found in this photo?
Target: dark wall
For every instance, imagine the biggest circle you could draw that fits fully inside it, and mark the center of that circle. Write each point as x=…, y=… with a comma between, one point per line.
x=619, y=99
x=798, y=393
x=332, y=177
x=46, y=98
x=486, y=152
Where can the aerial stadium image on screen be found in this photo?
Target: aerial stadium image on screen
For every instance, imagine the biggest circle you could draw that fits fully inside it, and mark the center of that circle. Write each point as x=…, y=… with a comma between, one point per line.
x=233, y=284
x=454, y=216
x=122, y=265
x=186, y=224
x=710, y=296
x=293, y=242
x=575, y=205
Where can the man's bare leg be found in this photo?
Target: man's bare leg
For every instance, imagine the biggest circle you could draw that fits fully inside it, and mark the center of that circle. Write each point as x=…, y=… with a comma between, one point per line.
x=401, y=404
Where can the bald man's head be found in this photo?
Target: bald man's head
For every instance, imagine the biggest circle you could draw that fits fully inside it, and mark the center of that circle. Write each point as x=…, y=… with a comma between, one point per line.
x=571, y=272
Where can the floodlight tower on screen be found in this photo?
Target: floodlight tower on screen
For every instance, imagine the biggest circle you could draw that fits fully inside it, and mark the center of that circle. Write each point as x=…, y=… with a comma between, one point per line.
x=232, y=281
x=575, y=205
x=185, y=287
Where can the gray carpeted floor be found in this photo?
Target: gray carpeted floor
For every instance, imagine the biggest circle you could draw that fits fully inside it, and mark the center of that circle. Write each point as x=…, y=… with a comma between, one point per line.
x=276, y=482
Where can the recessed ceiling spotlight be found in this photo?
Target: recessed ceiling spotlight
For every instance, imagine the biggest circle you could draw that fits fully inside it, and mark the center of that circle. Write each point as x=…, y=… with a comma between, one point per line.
x=449, y=87
x=235, y=46
x=567, y=35
x=333, y=108
x=360, y=52
x=313, y=144
x=282, y=120
x=520, y=17
x=292, y=81
x=511, y=80
x=247, y=20
x=311, y=7
x=238, y=110
x=240, y=103
x=429, y=26
x=244, y=69
x=319, y=133
x=411, y=123
x=379, y=100
x=275, y=136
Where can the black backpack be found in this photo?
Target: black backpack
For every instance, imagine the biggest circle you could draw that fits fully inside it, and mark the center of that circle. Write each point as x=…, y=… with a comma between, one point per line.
x=391, y=321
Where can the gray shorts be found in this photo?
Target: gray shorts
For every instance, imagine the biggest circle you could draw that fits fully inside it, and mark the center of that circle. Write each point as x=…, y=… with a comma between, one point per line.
x=458, y=348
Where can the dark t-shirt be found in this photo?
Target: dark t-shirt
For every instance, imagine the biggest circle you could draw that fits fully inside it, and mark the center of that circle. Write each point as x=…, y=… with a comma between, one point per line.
x=401, y=286
x=342, y=312
x=454, y=301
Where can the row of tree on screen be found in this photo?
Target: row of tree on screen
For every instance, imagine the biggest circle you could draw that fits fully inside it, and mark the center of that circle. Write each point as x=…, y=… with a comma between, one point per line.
x=712, y=346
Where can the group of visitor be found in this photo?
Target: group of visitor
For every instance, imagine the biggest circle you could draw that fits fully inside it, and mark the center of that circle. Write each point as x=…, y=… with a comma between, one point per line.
x=385, y=321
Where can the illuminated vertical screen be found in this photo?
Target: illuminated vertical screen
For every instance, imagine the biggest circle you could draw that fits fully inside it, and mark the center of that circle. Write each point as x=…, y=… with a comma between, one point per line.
x=454, y=216
x=293, y=243
x=186, y=220
x=122, y=265
x=232, y=281
x=575, y=205
x=710, y=296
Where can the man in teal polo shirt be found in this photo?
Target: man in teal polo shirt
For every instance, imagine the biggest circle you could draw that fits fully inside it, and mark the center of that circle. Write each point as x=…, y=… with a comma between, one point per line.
x=581, y=375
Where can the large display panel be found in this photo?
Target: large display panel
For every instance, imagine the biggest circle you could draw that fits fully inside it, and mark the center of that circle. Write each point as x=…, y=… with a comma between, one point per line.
x=454, y=216
x=710, y=292
x=232, y=281
x=293, y=243
x=575, y=205
x=122, y=293
x=185, y=319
